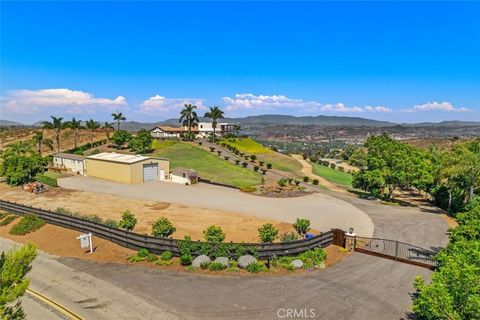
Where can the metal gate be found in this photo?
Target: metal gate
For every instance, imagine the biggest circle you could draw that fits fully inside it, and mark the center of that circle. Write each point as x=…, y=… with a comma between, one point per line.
x=150, y=172
x=396, y=250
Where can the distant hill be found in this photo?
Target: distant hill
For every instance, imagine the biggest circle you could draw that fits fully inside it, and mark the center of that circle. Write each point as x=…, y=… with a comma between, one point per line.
x=8, y=123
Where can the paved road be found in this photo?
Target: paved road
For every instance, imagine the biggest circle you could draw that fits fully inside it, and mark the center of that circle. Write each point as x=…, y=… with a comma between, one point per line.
x=324, y=211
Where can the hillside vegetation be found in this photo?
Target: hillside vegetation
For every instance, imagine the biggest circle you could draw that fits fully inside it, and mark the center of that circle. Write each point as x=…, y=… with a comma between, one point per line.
x=208, y=165
x=332, y=175
x=279, y=161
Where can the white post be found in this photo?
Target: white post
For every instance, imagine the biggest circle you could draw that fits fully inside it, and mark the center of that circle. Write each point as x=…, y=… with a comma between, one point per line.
x=90, y=241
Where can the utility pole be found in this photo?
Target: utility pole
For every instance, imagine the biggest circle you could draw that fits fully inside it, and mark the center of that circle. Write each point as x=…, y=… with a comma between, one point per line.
x=285, y=139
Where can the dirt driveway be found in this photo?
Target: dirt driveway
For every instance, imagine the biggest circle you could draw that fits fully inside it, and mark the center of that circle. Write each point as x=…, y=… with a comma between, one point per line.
x=325, y=212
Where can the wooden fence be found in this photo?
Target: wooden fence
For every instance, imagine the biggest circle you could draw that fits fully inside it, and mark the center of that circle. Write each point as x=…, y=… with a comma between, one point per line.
x=156, y=245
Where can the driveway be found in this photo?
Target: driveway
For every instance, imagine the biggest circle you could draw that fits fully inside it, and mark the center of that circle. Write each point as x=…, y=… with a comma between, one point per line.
x=324, y=211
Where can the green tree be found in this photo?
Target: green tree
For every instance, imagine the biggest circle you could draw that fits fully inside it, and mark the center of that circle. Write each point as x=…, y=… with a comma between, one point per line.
x=40, y=141
x=215, y=113
x=213, y=234
x=267, y=233
x=163, y=228
x=21, y=169
x=75, y=125
x=128, y=221
x=108, y=127
x=14, y=266
x=120, y=138
x=92, y=125
x=142, y=142
x=58, y=125
x=19, y=148
x=189, y=118
x=118, y=116
x=302, y=226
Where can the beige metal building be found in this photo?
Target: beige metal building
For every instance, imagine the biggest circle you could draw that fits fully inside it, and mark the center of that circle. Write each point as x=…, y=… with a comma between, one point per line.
x=126, y=168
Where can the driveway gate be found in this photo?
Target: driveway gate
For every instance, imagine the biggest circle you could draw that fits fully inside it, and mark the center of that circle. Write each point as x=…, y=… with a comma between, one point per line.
x=396, y=250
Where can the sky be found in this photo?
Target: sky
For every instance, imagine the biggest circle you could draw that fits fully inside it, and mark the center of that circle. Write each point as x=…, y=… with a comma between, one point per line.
x=396, y=61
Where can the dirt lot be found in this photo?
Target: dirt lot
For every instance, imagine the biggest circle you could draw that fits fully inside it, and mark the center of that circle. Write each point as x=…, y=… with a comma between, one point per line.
x=188, y=220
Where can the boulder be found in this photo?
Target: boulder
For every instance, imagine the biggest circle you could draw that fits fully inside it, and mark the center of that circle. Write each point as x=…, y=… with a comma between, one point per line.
x=198, y=261
x=245, y=260
x=297, y=264
x=224, y=261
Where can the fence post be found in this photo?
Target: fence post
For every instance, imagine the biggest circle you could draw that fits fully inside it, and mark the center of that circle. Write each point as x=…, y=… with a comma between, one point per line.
x=396, y=250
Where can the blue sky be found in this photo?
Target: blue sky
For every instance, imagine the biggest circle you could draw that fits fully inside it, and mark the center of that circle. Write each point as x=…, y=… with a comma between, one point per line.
x=397, y=61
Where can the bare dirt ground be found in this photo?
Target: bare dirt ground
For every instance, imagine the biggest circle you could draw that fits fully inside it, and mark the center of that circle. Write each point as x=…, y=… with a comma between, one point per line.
x=187, y=219
x=307, y=170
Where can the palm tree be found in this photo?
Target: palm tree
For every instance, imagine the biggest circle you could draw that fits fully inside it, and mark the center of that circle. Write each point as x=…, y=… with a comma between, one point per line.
x=74, y=125
x=215, y=113
x=39, y=140
x=189, y=118
x=108, y=126
x=92, y=125
x=118, y=117
x=58, y=125
x=19, y=148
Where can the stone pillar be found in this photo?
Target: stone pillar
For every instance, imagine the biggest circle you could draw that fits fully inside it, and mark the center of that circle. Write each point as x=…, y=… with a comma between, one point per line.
x=350, y=238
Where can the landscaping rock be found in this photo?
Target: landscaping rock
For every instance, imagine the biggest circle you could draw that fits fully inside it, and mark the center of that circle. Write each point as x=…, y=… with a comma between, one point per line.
x=297, y=264
x=197, y=262
x=245, y=260
x=224, y=261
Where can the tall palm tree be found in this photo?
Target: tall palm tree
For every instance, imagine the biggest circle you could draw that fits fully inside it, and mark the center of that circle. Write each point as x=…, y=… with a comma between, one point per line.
x=189, y=118
x=108, y=126
x=74, y=125
x=215, y=113
x=58, y=125
x=118, y=117
x=39, y=140
x=92, y=125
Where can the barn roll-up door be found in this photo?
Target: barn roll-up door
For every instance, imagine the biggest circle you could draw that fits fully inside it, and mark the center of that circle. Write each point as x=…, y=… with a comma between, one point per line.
x=150, y=172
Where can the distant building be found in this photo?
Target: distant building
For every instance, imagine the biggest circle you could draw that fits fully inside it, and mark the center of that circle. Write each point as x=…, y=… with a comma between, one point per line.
x=203, y=130
x=206, y=128
x=184, y=176
x=69, y=162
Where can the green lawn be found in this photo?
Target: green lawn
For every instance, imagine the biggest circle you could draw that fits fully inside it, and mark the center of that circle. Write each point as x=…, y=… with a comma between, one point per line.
x=279, y=161
x=208, y=165
x=160, y=144
x=53, y=175
x=332, y=175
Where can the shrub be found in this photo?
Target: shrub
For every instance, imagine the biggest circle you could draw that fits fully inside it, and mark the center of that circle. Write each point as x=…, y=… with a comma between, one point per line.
x=288, y=236
x=253, y=158
x=297, y=182
x=128, y=221
x=216, y=266
x=302, y=226
x=163, y=228
x=3, y=215
x=6, y=221
x=237, y=162
x=213, y=234
x=111, y=223
x=248, y=189
x=341, y=168
x=290, y=180
x=212, y=149
x=200, y=143
x=92, y=218
x=269, y=166
x=267, y=233
x=204, y=265
x=52, y=182
x=226, y=158
x=264, y=171
x=166, y=255
x=256, y=168
x=254, y=267
x=219, y=152
x=315, y=182
x=306, y=179
x=186, y=259
x=143, y=253
x=282, y=182
x=313, y=257
x=261, y=163
x=244, y=164
x=332, y=165
x=27, y=224
x=152, y=258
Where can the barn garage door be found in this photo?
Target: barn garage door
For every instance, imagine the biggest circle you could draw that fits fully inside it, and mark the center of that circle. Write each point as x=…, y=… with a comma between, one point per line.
x=150, y=172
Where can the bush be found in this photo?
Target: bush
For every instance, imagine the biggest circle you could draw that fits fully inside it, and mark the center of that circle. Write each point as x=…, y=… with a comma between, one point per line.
x=204, y=265
x=254, y=267
x=313, y=257
x=256, y=168
x=143, y=253
x=261, y=163
x=306, y=179
x=163, y=228
x=269, y=166
x=6, y=221
x=267, y=233
x=237, y=162
x=186, y=259
x=282, y=182
x=244, y=164
x=332, y=165
x=288, y=236
x=213, y=234
x=226, y=158
x=212, y=149
x=52, y=182
x=200, y=143
x=264, y=171
x=27, y=224
x=111, y=223
x=253, y=158
x=297, y=182
x=152, y=258
x=128, y=221
x=341, y=169
x=3, y=215
x=315, y=182
x=216, y=266
x=219, y=152
x=166, y=255
x=302, y=226
x=248, y=189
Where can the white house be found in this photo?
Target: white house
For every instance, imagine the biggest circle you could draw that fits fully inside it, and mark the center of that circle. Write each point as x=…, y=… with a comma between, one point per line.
x=206, y=128
x=166, y=132
x=184, y=176
x=70, y=162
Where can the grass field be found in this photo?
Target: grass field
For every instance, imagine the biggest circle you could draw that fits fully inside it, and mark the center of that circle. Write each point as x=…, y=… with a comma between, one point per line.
x=53, y=175
x=208, y=165
x=279, y=161
x=332, y=175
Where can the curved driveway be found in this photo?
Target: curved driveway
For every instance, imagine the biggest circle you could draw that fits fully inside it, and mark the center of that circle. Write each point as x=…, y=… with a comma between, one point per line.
x=324, y=211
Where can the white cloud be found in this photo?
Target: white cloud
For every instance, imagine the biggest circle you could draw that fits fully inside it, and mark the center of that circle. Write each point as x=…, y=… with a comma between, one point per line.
x=248, y=101
x=159, y=105
x=58, y=100
x=435, y=106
